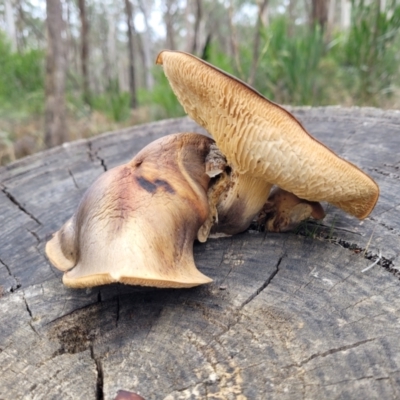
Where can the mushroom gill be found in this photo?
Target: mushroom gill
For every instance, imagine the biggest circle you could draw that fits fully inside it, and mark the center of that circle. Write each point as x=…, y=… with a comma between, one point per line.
x=137, y=223
x=263, y=141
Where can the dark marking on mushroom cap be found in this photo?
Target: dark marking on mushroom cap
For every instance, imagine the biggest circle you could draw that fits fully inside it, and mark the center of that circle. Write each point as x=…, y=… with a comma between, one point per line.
x=152, y=187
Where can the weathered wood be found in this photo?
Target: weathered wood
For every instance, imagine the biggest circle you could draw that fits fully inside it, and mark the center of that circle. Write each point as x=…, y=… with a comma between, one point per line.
x=287, y=316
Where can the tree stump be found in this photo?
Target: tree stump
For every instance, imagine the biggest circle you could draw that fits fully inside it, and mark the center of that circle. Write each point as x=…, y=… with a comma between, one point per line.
x=288, y=316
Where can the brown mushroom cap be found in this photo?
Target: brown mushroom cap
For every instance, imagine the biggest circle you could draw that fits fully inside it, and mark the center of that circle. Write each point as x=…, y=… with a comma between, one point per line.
x=260, y=138
x=137, y=223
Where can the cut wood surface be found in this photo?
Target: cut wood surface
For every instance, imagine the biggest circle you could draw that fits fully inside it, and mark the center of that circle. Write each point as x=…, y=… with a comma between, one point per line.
x=288, y=316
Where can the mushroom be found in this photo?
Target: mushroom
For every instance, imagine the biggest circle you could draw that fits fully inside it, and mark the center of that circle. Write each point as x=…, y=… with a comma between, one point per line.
x=284, y=211
x=137, y=223
x=263, y=143
x=125, y=395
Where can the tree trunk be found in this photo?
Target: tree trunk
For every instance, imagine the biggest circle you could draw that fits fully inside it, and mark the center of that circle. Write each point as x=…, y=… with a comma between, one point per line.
x=84, y=50
x=345, y=9
x=55, y=111
x=234, y=43
x=196, y=27
x=72, y=51
x=132, y=84
x=319, y=12
x=10, y=24
x=331, y=16
x=147, y=61
x=262, y=7
x=169, y=24
x=292, y=17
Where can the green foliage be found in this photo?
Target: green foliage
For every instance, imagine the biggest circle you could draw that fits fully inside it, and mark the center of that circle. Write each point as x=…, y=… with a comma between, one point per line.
x=298, y=65
x=161, y=100
x=113, y=103
x=291, y=64
x=220, y=59
x=21, y=79
x=371, y=51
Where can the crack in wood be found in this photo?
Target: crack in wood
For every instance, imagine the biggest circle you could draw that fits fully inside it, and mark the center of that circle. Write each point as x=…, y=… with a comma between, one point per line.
x=73, y=178
x=350, y=380
x=76, y=310
x=265, y=284
x=23, y=209
x=236, y=313
x=385, y=173
x=330, y=352
x=388, y=227
x=100, y=375
x=28, y=309
x=17, y=285
x=27, y=305
x=385, y=211
x=384, y=262
x=93, y=155
x=35, y=235
x=118, y=311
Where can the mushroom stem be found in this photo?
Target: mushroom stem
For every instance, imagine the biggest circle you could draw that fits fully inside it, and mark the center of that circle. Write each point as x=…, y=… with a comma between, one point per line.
x=238, y=199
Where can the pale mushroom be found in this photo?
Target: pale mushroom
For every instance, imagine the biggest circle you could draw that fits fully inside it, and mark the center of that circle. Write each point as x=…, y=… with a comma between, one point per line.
x=137, y=223
x=263, y=143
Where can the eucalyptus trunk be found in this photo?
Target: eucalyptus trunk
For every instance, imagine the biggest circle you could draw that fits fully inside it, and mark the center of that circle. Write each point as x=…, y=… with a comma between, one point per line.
x=84, y=50
x=132, y=84
x=55, y=110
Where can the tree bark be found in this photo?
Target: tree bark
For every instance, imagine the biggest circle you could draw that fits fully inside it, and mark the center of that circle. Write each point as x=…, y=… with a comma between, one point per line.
x=132, y=84
x=345, y=14
x=72, y=50
x=331, y=17
x=319, y=12
x=55, y=110
x=286, y=316
x=262, y=8
x=292, y=16
x=196, y=27
x=233, y=41
x=169, y=24
x=147, y=59
x=10, y=24
x=84, y=50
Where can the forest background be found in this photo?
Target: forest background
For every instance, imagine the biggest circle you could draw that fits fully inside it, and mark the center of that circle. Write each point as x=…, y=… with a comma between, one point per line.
x=70, y=69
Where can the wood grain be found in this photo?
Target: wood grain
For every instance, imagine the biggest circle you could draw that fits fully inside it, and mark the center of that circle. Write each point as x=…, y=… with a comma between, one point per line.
x=287, y=317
